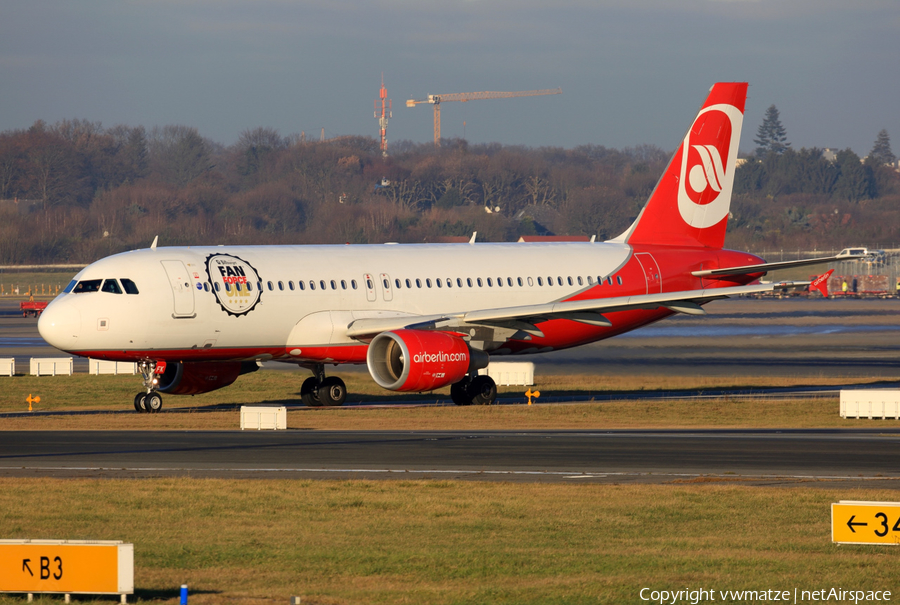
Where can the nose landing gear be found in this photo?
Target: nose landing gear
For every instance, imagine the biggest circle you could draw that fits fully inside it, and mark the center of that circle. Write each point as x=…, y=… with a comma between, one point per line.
x=319, y=390
x=149, y=402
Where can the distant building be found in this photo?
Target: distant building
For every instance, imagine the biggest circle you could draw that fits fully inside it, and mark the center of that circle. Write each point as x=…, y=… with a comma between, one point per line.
x=829, y=155
x=19, y=206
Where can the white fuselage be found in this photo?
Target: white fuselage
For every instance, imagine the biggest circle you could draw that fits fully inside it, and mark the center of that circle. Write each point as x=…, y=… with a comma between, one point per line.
x=178, y=310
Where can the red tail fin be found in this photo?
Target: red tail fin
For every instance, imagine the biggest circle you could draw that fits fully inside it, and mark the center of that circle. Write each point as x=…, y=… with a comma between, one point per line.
x=821, y=283
x=690, y=204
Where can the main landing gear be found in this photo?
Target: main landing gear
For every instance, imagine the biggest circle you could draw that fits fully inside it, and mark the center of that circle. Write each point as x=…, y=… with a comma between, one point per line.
x=319, y=390
x=149, y=402
x=477, y=390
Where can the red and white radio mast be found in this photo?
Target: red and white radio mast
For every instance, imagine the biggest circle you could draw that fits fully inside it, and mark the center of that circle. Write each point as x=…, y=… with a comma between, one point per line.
x=385, y=114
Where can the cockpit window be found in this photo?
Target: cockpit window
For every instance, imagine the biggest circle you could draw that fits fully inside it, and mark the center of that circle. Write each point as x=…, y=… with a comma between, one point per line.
x=87, y=285
x=70, y=286
x=111, y=286
x=129, y=286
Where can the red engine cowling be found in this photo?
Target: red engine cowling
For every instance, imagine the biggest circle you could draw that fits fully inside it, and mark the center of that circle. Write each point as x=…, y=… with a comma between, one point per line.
x=193, y=378
x=419, y=360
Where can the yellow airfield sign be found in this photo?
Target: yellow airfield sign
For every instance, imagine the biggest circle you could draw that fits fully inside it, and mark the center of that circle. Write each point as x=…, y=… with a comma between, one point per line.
x=68, y=567
x=854, y=522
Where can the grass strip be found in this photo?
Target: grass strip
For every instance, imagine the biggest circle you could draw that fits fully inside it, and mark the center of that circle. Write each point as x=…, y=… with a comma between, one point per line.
x=115, y=393
x=336, y=542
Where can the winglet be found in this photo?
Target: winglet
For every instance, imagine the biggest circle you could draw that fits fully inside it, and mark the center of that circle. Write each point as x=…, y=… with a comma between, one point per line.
x=153, y=245
x=472, y=240
x=821, y=283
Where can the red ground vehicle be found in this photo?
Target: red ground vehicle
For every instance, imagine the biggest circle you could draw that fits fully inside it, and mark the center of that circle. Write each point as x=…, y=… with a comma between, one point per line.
x=32, y=307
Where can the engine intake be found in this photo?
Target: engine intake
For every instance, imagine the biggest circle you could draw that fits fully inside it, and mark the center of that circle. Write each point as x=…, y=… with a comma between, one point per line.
x=420, y=360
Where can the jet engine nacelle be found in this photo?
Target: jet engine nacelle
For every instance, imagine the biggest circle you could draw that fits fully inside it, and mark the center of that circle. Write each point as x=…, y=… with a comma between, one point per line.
x=420, y=360
x=193, y=378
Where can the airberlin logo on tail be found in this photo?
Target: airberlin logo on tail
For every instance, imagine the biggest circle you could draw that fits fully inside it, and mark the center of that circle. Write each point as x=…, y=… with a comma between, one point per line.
x=708, y=152
x=439, y=357
x=235, y=283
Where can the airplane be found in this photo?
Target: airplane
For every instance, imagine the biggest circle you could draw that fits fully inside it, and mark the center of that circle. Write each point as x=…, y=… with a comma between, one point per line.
x=420, y=316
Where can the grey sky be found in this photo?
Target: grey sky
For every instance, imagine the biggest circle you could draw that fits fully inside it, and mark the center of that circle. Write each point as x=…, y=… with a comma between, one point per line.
x=632, y=71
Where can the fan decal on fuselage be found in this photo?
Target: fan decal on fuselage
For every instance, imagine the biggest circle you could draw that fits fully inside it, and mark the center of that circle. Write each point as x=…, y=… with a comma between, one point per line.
x=235, y=283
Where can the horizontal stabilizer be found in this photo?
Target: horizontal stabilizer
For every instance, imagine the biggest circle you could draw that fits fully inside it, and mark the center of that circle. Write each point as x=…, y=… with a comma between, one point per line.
x=764, y=268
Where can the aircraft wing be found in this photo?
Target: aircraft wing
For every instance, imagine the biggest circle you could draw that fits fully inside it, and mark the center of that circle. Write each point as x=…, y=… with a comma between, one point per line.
x=589, y=311
x=765, y=267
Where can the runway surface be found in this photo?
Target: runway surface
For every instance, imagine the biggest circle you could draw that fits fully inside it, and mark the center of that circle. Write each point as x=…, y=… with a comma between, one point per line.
x=822, y=457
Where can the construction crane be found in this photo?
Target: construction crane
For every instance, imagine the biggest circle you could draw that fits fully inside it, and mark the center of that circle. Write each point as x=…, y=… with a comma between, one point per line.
x=436, y=100
x=385, y=114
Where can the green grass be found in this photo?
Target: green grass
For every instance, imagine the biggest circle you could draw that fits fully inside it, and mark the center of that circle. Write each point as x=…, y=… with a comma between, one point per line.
x=45, y=285
x=449, y=541
x=116, y=393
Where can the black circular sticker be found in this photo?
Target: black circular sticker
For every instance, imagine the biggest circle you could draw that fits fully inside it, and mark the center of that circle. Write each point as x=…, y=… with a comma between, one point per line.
x=235, y=283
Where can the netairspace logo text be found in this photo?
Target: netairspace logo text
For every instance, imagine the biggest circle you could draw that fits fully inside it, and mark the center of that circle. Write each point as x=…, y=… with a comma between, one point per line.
x=822, y=595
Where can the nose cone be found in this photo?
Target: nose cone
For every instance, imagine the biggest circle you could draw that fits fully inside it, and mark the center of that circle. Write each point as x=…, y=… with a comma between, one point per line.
x=60, y=324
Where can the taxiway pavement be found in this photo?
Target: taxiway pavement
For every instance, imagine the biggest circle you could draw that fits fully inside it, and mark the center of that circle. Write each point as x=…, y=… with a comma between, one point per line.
x=805, y=456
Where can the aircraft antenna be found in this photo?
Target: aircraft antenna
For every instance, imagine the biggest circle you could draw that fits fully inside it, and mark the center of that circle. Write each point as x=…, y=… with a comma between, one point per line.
x=436, y=100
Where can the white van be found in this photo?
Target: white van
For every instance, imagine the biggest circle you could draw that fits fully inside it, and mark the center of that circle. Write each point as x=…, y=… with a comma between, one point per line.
x=853, y=253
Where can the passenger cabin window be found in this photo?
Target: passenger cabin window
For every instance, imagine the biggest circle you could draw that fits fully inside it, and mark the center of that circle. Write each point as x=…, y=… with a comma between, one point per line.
x=302, y=285
x=312, y=285
x=333, y=285
x=268, y=285
x=88, y=285
x=111, y=286
x=290, y=285
x=130, y=287
x=619, y=279
x=353, y=284
x=343, y=284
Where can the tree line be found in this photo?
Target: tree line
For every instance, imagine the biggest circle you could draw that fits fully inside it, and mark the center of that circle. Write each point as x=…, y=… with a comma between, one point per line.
x=75, y=191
